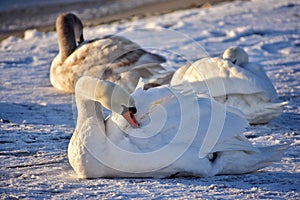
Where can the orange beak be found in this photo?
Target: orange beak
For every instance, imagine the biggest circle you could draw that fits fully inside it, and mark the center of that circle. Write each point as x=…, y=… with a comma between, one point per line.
x=129, y=116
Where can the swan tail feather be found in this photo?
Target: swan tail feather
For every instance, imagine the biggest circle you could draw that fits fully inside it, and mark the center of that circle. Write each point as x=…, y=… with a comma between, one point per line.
x=276, y=105
x=267, y=113
x=268, y=155
x=240, y=162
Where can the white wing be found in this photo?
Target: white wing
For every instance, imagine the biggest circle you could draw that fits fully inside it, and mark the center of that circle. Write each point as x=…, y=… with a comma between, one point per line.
x=220, y=77
x=179, y=119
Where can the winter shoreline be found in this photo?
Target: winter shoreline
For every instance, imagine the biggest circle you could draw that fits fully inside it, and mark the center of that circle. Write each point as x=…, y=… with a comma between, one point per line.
x=42, y=17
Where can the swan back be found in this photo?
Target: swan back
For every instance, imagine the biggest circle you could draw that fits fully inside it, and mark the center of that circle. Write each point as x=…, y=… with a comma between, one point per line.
x=221, y=77
x=235, y=82
x=239, y=57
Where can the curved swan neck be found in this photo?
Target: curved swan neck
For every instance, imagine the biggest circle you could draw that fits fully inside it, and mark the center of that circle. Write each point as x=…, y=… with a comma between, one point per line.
x=86, y=102
x=66, y=35
x=90, y=92
x=110, y=95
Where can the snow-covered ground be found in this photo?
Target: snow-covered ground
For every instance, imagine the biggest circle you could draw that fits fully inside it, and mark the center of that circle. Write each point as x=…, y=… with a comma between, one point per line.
x=37, y=121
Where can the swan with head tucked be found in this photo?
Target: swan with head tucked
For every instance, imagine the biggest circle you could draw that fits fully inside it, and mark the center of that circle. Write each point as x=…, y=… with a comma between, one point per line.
x=111, y=58
x=235, y=82
x=160, y=132
x=236, y=55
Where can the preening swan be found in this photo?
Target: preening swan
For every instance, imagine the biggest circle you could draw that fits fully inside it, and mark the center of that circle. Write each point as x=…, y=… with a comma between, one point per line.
x=235, y=82
x=160, y=132
x=111, y=58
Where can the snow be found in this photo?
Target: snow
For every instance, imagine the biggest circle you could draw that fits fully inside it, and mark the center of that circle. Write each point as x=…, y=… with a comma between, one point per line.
x=37, y=122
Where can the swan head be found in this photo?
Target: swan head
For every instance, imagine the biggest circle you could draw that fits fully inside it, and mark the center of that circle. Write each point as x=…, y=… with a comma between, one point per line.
x=69, y=24
x=110, y=95
x=118, y=100
x=78, y=29
x=236, y=55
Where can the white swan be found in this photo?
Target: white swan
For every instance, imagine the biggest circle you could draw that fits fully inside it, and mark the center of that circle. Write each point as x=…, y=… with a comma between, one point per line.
x=111, y=58
x=160, y=132
x=235, y=82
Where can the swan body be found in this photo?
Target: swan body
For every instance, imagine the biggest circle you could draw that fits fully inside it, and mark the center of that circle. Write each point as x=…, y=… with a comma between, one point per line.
x=179, y=133
x=111, y=58
x=235, y=82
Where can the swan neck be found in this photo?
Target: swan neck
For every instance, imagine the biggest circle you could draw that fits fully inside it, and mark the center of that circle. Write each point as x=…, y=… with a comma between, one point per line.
x=88, y=103
x=90, y=97
x=66, y=36
x=89, y=110
x=90, y=92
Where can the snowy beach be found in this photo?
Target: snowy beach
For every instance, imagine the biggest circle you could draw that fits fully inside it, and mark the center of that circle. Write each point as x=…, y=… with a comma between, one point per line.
x=37, y=121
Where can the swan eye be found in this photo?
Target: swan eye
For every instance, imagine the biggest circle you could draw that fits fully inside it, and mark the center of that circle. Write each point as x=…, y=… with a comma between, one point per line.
x=81, y=39
x=132, y=110
x=234, y=61
x=212, y=157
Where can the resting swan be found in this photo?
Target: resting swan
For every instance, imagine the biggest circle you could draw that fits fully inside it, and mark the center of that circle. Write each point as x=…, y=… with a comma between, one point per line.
x=235, y=82
x=160, y=132
x=111, y=58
